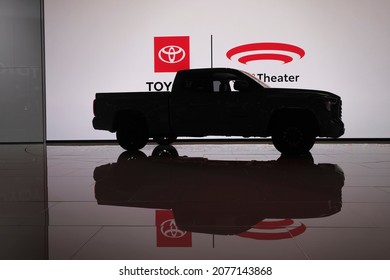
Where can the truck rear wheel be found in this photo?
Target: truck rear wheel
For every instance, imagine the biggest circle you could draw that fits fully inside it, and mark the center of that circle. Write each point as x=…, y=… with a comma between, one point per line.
x=132, y=136
x=293, y=137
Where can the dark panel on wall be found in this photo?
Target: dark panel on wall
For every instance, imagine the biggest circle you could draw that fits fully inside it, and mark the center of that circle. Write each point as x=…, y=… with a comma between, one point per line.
x=21, y=86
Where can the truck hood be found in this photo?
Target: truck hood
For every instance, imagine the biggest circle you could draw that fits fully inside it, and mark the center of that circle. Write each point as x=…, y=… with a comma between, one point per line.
x=302, y=93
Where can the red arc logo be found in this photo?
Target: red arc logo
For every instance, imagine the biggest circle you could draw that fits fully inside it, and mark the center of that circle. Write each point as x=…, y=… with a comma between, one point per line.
x=265, y=51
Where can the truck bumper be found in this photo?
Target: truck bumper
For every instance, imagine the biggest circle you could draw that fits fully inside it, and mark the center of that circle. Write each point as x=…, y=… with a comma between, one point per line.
x=334, y=128
x=102, y=124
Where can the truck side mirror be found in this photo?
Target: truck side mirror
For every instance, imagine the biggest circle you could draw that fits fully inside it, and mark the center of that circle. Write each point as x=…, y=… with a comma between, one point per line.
x=241, y=85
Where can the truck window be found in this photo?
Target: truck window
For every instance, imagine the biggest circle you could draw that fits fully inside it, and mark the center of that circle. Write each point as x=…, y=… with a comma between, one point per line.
x=216, y=86
x=219, y=82
x=230, y=83
x=230, y=86
x=198, y=85
x=221, y=86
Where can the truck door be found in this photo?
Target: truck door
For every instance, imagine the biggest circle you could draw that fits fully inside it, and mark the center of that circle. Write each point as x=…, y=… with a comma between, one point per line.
x=195, y=109
x=241, y=109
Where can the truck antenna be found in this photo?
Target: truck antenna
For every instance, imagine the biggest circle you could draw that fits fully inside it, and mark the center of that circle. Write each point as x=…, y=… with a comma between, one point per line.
x=211, y=46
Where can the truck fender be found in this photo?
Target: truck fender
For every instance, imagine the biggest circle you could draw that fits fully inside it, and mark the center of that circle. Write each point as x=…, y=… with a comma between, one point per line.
x=293, y=114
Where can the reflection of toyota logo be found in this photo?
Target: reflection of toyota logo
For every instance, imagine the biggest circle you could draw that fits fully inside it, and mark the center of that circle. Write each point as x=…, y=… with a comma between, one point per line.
x=170, y=230
x=172, y=54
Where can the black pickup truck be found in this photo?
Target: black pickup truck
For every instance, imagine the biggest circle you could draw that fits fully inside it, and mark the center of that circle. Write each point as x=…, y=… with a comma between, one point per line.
x=220, y=102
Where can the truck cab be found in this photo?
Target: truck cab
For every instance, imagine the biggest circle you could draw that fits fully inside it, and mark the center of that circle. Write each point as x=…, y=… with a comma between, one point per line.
x=215, y=102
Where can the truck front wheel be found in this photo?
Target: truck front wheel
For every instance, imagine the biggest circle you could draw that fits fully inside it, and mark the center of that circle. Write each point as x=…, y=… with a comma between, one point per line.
x=293, y=137
x=132, y=136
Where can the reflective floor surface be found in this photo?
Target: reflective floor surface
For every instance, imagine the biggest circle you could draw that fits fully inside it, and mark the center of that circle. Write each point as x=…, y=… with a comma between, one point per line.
x=194, y=201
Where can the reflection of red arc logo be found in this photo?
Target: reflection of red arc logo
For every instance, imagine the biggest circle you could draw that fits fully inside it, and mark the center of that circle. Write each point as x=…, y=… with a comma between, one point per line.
x=274, y=230
x=265, y=51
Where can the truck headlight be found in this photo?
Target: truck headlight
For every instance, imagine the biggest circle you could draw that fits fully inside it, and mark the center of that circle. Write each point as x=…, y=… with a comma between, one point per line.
x=329, y=103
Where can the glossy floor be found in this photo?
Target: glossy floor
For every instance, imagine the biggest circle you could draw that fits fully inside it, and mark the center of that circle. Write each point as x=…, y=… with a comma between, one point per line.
x=194, y=201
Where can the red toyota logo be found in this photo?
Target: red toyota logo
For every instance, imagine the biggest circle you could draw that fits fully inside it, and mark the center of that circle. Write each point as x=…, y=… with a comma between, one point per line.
x=265, y=51
x=171, y=54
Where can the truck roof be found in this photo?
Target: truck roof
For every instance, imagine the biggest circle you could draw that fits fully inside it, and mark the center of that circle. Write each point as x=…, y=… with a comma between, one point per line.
x=209, y=70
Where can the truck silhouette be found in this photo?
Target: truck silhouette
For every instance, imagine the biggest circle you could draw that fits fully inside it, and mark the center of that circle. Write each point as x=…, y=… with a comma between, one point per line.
x=220, y=102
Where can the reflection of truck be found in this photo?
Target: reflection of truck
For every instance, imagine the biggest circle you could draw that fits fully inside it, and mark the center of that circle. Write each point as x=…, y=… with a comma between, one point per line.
x=221, y=196
x=223, y=102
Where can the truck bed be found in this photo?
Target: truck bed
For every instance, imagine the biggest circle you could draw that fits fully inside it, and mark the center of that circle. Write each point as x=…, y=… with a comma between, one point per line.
x=111, y=105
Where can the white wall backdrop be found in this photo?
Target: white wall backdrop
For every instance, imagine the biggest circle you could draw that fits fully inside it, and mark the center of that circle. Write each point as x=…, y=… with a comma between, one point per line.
x=105, y=45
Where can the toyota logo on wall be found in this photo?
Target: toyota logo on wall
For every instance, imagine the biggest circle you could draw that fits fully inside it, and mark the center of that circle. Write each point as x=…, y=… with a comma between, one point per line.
x=171, y=54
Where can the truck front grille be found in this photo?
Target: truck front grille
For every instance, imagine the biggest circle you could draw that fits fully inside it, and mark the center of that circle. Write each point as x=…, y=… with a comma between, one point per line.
x=337, y=109
x=341, y=108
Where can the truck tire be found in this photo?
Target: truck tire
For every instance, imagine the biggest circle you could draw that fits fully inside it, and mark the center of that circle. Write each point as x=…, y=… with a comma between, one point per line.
x=132, y=136
x=293, y=137
x=130, y=156
x=165, y=151
x=161, y=140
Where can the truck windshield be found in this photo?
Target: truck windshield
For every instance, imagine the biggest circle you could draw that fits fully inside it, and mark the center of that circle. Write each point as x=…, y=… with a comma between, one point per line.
x=254, y=78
